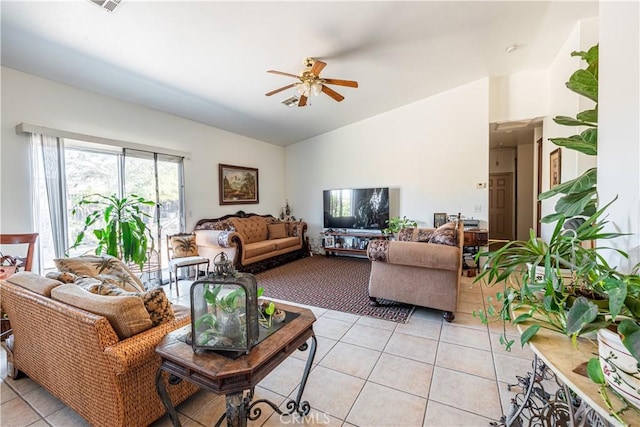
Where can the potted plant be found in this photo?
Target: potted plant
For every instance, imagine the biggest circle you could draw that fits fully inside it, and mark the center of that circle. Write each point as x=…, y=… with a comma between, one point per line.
x=545, y=295
x=395, y=224
x=119, y=225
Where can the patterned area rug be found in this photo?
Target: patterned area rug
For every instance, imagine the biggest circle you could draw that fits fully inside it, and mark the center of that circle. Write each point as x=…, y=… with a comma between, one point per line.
x=336, y=283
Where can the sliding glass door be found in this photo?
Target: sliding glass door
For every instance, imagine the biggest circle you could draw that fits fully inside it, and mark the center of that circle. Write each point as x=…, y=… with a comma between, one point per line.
x=157, y=177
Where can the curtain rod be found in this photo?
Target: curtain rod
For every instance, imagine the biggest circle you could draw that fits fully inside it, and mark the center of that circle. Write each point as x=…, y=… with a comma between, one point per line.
x=29, y=128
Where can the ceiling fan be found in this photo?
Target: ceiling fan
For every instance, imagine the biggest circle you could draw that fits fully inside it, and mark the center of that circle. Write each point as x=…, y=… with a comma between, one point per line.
x=311, y=83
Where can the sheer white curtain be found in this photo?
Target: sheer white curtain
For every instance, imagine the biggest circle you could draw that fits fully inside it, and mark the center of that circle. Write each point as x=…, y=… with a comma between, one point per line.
x=47, y=155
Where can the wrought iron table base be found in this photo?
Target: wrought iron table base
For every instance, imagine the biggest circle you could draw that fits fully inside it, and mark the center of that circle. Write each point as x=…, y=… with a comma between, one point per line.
x=534, y=406
x=240, y=408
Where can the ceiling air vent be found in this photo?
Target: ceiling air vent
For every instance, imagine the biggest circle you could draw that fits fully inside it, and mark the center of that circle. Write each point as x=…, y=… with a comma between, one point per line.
x=291, y=102
x=109, y=5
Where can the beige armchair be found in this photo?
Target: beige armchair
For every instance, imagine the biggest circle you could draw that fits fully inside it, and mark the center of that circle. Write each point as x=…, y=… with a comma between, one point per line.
x=423, y=267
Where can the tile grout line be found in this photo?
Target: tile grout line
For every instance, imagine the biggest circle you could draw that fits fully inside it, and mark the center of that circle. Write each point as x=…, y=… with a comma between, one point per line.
x=435, y=359
x=366, y=380
x=493, y=356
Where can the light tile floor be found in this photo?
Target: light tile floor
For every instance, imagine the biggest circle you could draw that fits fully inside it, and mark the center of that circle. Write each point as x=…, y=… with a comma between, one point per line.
x=367, y=372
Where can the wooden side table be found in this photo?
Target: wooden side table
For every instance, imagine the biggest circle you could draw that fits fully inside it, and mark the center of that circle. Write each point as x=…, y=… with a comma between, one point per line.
x=232, y=377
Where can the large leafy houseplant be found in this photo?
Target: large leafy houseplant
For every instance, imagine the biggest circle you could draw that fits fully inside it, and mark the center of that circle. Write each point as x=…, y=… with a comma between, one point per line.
x=579, y=196
x=591, y=296
x=118, y=224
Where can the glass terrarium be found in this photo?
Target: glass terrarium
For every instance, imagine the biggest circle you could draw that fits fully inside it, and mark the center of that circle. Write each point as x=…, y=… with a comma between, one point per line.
x=224, y=313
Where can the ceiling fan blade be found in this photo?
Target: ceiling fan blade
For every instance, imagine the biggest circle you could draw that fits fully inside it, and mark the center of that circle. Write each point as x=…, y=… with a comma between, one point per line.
x=283, y=74
x=332, y=93
x=317, y=67
x=339, y=82
x=273, y=92
x=303, y=101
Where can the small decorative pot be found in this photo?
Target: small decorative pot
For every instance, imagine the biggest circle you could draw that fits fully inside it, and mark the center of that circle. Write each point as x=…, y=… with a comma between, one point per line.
x=620, y=368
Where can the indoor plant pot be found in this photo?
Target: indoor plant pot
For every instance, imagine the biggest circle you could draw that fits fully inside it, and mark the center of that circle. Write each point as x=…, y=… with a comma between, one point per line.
x=619, y=367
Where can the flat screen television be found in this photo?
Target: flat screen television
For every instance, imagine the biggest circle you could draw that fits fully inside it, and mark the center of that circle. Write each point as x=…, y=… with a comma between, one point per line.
x=357, y=208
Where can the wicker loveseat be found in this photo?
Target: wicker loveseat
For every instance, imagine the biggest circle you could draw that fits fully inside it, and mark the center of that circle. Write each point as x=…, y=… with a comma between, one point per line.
x=79, y=358
x=254, y=242
x=422, y=267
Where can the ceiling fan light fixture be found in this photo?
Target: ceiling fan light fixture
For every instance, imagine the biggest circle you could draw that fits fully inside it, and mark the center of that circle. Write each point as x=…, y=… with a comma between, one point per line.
x=309, y=83
x=303, y=88
x=308, y=88
x=316, y=88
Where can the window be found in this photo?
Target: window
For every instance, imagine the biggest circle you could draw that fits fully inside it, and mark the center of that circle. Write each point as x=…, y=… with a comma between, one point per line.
x=80, y=168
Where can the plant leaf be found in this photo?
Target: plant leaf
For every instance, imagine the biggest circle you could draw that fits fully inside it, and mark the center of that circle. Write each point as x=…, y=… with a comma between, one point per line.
x=630, y=334
x=581, y=313
x=270, y=309
x=585, y=83
x=551, y=218
x=570, y=121
x=617, y=291
x=588, y=116
x=633, y=304
x=529, y=333
x=582, y=143
x=590, y=56
x=575, y=203
x=594, y=370
x=582, y=183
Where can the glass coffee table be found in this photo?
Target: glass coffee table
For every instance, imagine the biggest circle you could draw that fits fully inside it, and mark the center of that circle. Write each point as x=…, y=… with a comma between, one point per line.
x=233, y=376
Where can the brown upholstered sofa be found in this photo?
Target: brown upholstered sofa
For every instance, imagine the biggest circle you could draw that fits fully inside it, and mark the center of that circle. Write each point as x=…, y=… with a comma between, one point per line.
x=254, y=242
x=80, y=358
x=422, y=267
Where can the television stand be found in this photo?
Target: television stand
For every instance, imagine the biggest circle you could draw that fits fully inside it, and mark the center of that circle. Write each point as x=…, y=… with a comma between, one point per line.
x=349, y=242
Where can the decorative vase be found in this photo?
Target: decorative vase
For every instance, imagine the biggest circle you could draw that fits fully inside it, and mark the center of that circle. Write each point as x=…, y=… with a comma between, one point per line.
x=620, y=368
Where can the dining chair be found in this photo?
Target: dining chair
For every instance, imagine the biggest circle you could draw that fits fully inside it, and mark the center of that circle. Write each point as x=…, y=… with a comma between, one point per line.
x=29, y=239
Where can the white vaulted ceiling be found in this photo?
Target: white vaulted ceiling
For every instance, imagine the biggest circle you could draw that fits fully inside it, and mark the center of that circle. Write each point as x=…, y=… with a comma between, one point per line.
x=207, y=60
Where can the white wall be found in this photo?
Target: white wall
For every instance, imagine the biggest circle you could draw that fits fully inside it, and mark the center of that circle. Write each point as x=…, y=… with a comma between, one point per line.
x=619, y=123
x=518, y=96
x=433, y=151
x=30, y=99
x=502, y=160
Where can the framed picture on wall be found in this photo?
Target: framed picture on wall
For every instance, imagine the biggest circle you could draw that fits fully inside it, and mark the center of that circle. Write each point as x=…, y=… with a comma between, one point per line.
x=439, y=219
x=555, y=162
x=238, y=185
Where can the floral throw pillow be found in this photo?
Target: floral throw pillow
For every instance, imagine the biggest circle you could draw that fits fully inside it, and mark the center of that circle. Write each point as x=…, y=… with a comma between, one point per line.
x=184, y=245
x=445, y=235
